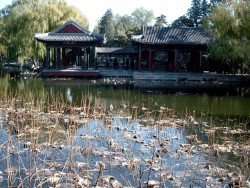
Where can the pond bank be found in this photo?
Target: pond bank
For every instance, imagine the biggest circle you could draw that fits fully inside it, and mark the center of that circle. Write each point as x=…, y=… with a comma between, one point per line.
x=178, y=81
x=152, y=79
x=184, y=80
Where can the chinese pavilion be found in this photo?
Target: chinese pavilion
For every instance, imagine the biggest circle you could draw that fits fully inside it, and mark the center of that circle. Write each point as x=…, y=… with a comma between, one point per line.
x=67, y=47
x=172, y=49
x=68, y=50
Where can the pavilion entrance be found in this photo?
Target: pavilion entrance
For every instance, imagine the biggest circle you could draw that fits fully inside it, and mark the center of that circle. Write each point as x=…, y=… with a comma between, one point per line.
x=76, y=57
x=63, y=58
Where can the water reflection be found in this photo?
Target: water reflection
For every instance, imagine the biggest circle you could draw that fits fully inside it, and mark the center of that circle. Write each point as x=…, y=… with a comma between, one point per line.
x=69, y=96
x=73, y=91
x=200, y=103
x=131, y=151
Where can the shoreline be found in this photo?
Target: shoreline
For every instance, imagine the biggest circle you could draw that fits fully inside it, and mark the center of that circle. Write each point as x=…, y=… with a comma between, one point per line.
x=240, y=83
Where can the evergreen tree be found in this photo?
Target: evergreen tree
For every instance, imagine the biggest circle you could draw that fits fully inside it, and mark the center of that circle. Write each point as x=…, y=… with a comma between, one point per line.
x=205, y=12
x=215, y=2
x=195, y=13
x=182, y=21
x=205, y=9
x=198, y=12
x=107, y=26
x=161, y=20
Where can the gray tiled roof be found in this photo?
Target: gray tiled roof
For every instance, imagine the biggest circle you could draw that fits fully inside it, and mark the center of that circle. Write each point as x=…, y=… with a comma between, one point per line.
x=60, y=37
x=115, y=50
x=56, y=36
x=172, y=36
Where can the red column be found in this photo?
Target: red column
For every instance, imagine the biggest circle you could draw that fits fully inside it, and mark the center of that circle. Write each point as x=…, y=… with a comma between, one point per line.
x=199, y=61
x=196, y=61
x=175, y=60
x=166, y=61
x=58, y=63
x=150, y=60
x=63, y=53
x=47, y=65
x=139, y=59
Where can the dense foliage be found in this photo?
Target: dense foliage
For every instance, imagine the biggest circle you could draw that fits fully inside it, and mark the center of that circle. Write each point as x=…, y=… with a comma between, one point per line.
x=119, y=29
x=183, y=21
x=19, y=22
x=230, y=27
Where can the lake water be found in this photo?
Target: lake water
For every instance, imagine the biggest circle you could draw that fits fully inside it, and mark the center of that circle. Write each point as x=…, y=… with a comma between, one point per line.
x=208, y=103
x=205, y=142
x=221, y=103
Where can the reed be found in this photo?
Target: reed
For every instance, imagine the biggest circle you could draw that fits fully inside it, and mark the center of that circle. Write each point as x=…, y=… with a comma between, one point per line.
x=51, y=142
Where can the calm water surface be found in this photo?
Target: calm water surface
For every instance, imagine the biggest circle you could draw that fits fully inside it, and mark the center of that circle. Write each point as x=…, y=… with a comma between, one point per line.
x=221, y=104
x=73, y=91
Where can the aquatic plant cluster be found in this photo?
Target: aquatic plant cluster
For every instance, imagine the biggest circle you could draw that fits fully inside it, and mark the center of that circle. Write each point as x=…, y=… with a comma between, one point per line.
x=50, y=143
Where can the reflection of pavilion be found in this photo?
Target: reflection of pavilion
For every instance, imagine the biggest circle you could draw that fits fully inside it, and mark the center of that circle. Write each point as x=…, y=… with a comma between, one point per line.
x=69, y=46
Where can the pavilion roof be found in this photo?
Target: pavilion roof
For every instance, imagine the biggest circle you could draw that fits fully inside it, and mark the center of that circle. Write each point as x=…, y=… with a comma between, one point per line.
x=115, y=50
x=172, y=36
x=70, y=32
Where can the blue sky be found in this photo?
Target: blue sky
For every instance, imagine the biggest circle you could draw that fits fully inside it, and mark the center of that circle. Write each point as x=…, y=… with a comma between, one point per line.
x=95, y=9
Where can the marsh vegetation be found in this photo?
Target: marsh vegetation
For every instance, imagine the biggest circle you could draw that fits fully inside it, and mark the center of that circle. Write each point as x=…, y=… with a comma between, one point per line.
x=49, y=141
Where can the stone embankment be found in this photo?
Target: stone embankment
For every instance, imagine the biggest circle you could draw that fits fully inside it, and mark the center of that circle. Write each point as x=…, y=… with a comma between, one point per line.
x=189, y=80
x=163, y=79
x=176, y=80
